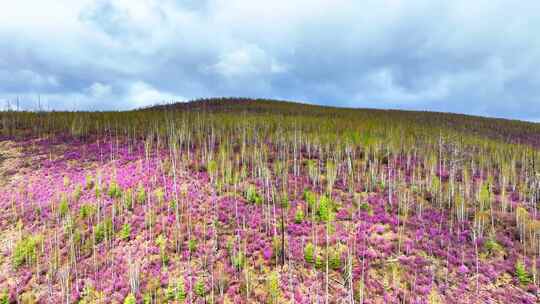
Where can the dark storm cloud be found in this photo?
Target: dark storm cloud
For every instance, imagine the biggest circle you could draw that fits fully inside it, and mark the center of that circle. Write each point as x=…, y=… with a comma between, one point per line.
x=480, y=58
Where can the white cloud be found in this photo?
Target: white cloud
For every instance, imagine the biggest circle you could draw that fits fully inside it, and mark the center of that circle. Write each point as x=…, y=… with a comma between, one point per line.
x=249, y=60
x=141, y=94
x=438, y=55
x=98, y=89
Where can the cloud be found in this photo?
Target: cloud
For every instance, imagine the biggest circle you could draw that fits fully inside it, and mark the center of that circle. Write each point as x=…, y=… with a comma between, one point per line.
x=99, y=89
x=118, y=54
x=246, y=61
x=141, y=94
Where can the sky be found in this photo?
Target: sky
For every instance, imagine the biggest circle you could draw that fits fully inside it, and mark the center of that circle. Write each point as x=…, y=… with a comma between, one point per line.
x=475, y=57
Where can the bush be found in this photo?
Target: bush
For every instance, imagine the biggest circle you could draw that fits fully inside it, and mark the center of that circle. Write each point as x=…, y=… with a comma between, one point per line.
x=130, y=299
x=252, y=196
x=325, y=209
x=180, y=292
x=87, y=211
x=103, y=230
x=484, y=196
x=211, y=168
x=319, y=262
x=125, y=232
x=172, y=204
x=160, y=195
x=492, y=247
x=238, y=260
x=4, y=297
x=63, y=206
x=299, y=215
x=170, y=292
x=522, y=274
x=273, y=287
x=141, y=194
x=285, y=201
x=199, y=288
x=147, y=298
x=334, y=259
x=161, y=241
x=26, y=250
x=309, y=251
x=311, y=199
x=114, y=190
x=192, y=245
x=128, y=199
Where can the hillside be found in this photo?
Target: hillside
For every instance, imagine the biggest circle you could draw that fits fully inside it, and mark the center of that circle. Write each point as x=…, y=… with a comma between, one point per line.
x=504, y=129
x=260, y=201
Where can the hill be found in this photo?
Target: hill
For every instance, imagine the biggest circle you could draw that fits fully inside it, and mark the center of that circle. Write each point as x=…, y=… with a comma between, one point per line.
x=257, y=201
x=514, y=131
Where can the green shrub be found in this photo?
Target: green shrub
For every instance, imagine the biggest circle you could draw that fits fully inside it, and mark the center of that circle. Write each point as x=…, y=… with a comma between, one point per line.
x=161, y=241
x=87, y=211
x=170, y=291
x=172, y=204
x=272, y=285
x=484, y=196
x=4, y=297
x=435, y=185
x=522, y=274
x=299, y=215
x=211, y=167
x=285, y=200
x=125, y=232
x=238, y=260
x=180, y=294
x=319, y=262
x=492, y=247
x=176, y=290
x=334, y=259
x=114, y=190
x=311, y=199
x=309, y=251
x=147, y=298
x=63, y=206
x=130, y=299
x=128, y=199
x=141, y=194
x=26, y=250
x=192, y=245
x=160, y=195
x=200, y=288
x=325, y=212
x=252, y=196
x=103, y=230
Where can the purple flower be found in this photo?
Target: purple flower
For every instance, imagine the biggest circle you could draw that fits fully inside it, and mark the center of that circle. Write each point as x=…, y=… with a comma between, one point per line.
x=267, y=253
x=463, y=269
